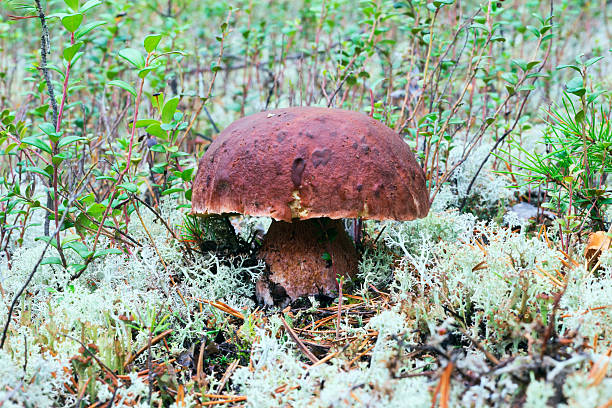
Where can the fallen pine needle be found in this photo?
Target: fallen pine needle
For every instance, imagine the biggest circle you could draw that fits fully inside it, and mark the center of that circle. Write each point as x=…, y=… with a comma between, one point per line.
x=607, y=404
x=443, y=387
x=219, y=396
x=599, y=369
x=223, y=307
x=225, y=401
x=350, y=363
x=299, y=342
x=228, y=372
x=154, y=341
x=355, y=397
x=324, y=359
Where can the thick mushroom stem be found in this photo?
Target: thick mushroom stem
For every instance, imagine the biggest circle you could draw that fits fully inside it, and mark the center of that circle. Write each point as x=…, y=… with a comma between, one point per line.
x=305, y=258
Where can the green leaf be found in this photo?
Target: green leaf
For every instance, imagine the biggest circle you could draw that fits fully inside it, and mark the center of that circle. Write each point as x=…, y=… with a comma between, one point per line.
x=108, y=251
x=71, y=22
x=34, y=141
x=157, y=100
x=131, y=187
x=510, y=77
x=575, y=86
x=133, y=56
x=545, y=28
x=151, y=42
x=38, y=170
x=579, y=117
x=520, y=63
x=79, y=247
x=159, y=168
x=70, y=52
x=169, y=109
x=591, y=61
x=574, y=67
x=96, y=210
x=89, y=5
x=47, y=128
x=159, y=148
x=10, y=147
x=442, y=3
x=58, y=159
x=123, y=85
x=214, y=67
x=532, y=64
x=65, y=141
x=537, y=75
x=73, y=4
x=534, y=31
x=594, y=96
x=326, y=256
x=145, y=71
x=146, y=122
x=51, y=260
x=186, y=174
x=56, y=69
x=87, y=28
x=52, y=241
x=74, y=61
x=76, y=268
x=156, y=130
x=528, y=87
x=171, y=190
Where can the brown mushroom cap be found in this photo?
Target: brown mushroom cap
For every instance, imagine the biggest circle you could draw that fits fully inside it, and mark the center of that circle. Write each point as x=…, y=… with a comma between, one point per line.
x=307, y=162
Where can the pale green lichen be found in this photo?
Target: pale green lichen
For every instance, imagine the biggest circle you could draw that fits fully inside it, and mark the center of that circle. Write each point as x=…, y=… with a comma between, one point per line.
x=445, y=271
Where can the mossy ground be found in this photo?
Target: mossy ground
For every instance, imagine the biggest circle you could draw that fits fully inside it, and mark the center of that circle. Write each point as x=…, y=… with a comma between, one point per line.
x=472, y=306
x=447, y=308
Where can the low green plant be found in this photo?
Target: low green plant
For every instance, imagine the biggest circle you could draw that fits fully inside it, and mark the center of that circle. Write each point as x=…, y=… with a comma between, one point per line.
x=103, y=121
x=573, y=167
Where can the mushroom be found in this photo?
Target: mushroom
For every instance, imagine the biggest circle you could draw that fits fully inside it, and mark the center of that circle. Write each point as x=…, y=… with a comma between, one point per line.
x=307, y=168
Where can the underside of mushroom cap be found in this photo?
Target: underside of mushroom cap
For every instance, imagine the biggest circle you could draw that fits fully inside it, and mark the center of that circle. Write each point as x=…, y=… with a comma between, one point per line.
x=307, y=162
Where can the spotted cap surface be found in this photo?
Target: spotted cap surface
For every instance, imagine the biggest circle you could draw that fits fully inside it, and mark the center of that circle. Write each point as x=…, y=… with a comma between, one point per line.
x=308, y=162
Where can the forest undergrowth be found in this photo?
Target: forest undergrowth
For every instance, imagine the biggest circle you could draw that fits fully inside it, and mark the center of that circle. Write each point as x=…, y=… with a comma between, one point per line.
x=112, y=294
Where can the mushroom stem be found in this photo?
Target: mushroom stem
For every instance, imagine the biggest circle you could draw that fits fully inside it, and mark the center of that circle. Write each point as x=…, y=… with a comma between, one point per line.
x=300, y=255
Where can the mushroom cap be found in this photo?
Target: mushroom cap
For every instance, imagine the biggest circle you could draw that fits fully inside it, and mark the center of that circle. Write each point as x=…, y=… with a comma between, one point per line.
x=308, y=162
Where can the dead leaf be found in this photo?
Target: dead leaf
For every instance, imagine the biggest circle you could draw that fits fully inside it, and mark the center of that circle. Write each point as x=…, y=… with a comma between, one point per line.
x=598, y=242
